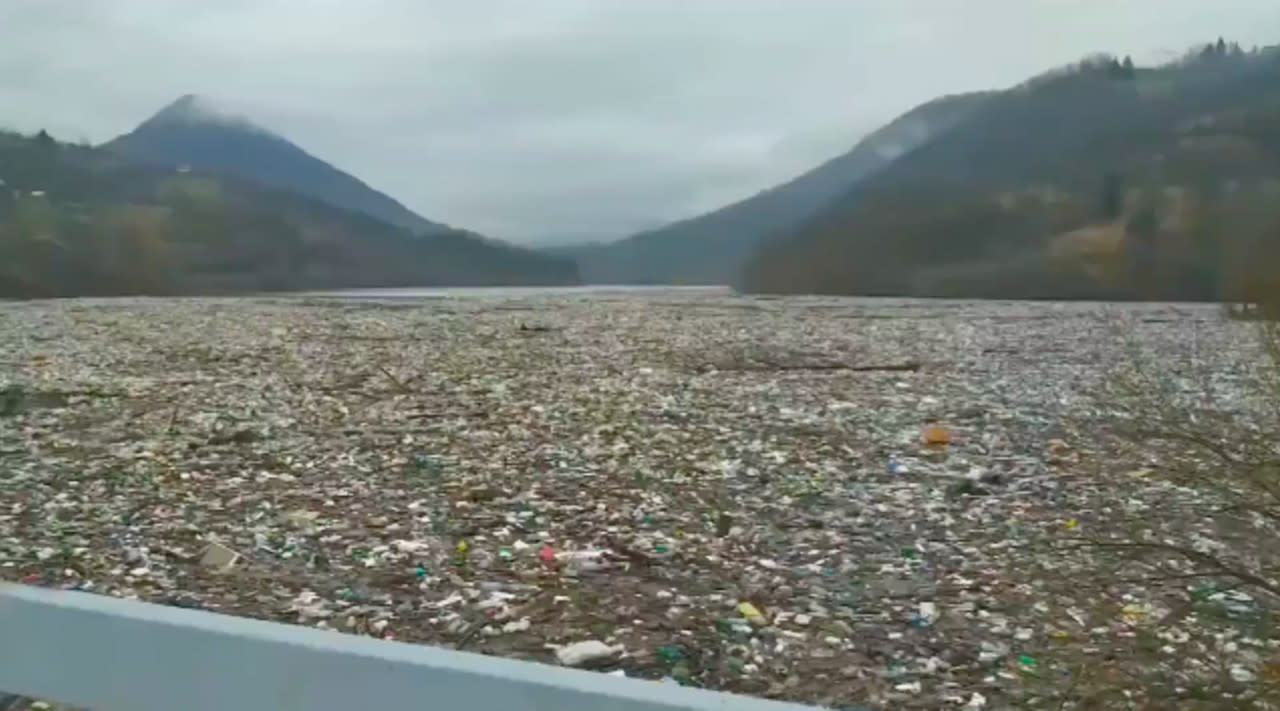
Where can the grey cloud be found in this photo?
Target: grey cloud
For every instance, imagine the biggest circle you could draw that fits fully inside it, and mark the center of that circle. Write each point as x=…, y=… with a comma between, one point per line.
x=533, y=118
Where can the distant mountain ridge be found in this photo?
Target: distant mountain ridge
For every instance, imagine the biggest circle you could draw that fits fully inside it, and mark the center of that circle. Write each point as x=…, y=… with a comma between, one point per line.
x=82, y=221
x=1098, y=180
x=710, y=248
x=193, y=131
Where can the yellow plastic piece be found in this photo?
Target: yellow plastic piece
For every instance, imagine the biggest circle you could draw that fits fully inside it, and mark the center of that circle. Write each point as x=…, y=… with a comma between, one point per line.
x=936, y=435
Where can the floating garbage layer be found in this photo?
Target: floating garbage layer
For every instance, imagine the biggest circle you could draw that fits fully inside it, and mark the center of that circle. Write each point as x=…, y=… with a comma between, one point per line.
x=844, y=502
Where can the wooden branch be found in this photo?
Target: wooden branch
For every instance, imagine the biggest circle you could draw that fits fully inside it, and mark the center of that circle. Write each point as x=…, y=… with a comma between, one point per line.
x=907, y=367
x=1190, y=554
x=398, y=382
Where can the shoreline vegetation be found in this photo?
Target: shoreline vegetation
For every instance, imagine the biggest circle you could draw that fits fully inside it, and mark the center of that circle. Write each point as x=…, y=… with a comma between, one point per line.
x=83, y=221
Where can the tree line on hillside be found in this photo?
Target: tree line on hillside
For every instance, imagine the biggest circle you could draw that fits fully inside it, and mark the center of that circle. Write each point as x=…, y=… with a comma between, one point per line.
x=80, y=221
x=1097, y=180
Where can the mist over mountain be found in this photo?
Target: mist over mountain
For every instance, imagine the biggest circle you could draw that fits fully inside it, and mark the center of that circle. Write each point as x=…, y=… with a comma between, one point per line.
x=193, y=131
x=77, y=220
x=711, y=248
x=1100, y=179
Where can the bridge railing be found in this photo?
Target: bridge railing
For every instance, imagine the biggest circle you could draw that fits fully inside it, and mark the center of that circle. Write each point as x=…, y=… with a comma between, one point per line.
x=108, y=654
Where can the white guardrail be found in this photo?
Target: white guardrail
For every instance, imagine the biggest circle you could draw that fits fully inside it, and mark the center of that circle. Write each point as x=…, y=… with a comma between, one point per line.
x=108, y=654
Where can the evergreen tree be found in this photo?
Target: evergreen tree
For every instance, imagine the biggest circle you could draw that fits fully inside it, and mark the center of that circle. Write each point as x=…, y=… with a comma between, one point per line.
x=1112, y=195
x=1129, y=70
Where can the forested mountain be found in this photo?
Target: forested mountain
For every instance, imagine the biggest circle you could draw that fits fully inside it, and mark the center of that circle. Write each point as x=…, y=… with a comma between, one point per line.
x=710, y=249
x=1099, y=180
x=76, y=220
x=194, y=133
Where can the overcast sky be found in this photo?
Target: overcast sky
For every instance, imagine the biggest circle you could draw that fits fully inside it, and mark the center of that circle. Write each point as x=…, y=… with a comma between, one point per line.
x=539, y=120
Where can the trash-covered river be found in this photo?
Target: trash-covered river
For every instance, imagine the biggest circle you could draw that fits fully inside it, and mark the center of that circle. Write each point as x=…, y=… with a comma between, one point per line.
x=838, y=501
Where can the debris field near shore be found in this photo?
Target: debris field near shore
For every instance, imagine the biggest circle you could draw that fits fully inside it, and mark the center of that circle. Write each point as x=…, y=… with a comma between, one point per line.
x=845, y=502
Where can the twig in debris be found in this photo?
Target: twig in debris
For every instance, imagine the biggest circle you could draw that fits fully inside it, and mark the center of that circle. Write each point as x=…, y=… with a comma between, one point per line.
x=90, y=392
x=907, y=367
x=636, y=558
x=940, y=591
x=473, y=628
x=443, y=413
x=474, y=624
x=400, y=384
x=1222, y=567
x=243, y=435
x=173, y=418
x=1076, y=679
